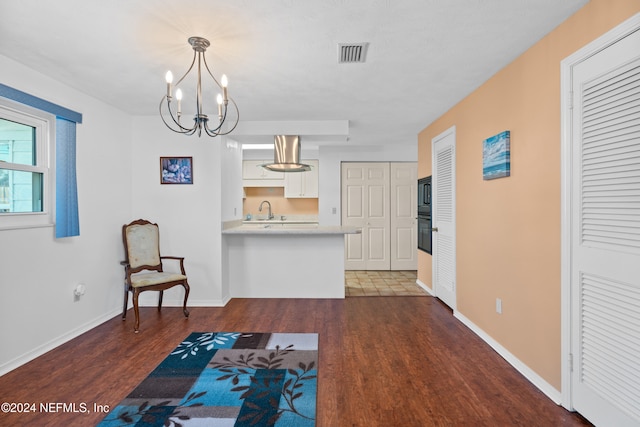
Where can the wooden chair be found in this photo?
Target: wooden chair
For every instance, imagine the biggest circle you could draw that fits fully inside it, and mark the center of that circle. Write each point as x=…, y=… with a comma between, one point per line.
x=143, y=266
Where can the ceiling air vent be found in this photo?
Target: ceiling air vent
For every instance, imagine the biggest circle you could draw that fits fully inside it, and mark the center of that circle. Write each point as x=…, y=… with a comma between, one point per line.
x=352, y=52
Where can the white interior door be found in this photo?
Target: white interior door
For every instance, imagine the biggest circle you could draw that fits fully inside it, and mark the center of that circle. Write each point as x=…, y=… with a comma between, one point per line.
x=404, y=206
x=378, y=219
x=443, y=211
x=354, y=214
x=365, y=201
x=605, y=234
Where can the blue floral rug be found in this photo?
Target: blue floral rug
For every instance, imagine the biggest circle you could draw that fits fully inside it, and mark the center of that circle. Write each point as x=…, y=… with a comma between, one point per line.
x=228, y=379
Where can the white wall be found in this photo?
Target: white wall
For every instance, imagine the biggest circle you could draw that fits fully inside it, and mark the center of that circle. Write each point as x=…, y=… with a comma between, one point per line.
x=37, y=272
x=231, y=204
x=331, y=157
x=189, y=215
x=232, y=176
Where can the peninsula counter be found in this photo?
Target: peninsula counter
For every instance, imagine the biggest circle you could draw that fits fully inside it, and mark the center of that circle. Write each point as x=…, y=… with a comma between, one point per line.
x=285, y=260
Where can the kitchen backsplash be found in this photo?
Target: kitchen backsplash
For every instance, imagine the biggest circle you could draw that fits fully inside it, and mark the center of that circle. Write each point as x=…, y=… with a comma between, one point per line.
x=279, y=204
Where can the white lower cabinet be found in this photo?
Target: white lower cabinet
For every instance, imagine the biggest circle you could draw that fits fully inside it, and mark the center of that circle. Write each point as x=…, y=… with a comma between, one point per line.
x=302, y=184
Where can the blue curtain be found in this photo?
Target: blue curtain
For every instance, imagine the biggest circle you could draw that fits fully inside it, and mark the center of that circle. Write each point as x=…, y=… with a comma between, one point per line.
x=67, y=219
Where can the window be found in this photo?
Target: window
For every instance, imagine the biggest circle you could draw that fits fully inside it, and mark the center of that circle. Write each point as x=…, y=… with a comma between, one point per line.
x=26, y=175
x=45, y=167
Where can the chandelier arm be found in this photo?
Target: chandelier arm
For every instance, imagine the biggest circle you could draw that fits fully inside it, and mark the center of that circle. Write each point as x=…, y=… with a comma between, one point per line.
x=181, y=128
x=229, y=99
x=209, y=71
x=162, y=116
x=235, y=106
x=185, y=130
x=210, y=133
x=225, y=111
x=193, y=61
x=214, y=132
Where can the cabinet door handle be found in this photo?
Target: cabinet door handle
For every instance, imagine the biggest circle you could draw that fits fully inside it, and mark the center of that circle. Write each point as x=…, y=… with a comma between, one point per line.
x=434, y=229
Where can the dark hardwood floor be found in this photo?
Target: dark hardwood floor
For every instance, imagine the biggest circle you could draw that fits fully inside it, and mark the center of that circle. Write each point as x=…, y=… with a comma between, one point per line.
x=383, y=361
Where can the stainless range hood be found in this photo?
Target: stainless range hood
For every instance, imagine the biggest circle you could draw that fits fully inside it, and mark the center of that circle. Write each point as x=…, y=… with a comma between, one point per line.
x=286, y=155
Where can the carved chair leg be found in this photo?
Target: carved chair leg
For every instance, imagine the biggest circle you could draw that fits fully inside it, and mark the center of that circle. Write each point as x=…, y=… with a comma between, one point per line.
x=186, y=295
x=160, y=300
x=126, y=299
x=136, y=328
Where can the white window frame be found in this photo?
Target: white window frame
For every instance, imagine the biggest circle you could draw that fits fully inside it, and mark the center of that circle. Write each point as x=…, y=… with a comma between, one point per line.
x=45, y=129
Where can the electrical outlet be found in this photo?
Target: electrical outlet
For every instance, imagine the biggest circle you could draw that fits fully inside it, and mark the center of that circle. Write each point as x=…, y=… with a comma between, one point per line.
x=334, y=210
x=498, y=306
x=79, y=291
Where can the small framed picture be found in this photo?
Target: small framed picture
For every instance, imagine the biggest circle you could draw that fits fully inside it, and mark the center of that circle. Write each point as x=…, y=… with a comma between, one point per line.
x=496, y=156
x=176, y=170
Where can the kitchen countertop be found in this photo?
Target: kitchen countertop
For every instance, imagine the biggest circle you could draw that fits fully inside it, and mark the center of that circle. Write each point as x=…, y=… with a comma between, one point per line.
x=279, y=227
x=279, y=221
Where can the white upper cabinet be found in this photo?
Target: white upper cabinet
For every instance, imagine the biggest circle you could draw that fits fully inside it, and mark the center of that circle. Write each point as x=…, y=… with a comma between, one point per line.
x=302, y=184
x=254, y=175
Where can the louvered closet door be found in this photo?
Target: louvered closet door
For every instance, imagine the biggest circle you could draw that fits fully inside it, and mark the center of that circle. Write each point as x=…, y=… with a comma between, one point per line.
x=605, y=272
x=444, y=217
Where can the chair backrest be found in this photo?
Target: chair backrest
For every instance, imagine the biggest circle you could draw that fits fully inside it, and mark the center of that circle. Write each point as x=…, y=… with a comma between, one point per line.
x=142, y=245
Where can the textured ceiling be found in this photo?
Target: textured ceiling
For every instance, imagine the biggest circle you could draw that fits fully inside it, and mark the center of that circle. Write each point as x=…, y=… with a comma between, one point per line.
x=281, y=56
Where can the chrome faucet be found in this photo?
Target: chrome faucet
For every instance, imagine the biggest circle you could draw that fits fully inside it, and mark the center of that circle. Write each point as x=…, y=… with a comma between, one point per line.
x=270, y=216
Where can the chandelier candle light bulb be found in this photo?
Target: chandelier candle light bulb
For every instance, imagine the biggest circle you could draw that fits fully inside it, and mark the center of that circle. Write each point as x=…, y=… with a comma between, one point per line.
x=224, y=82
x=228, y=114
x=179, y=98
x=169, y=78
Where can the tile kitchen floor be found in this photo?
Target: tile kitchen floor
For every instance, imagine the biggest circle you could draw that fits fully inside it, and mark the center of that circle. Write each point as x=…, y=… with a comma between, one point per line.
x=360, y=283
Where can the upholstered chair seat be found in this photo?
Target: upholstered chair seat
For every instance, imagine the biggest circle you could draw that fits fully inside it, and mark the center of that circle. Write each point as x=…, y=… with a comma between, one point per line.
x=146, y=279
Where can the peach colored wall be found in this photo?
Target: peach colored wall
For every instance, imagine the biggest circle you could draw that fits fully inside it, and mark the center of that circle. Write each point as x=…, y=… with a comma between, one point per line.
x=279, y=204
x=424, y=169
x=508, y=229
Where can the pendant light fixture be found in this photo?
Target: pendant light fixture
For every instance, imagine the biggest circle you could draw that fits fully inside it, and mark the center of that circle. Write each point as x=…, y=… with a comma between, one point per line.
x=171, y=114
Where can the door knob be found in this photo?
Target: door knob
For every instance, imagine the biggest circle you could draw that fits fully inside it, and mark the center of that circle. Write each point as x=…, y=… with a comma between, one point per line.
x=434, y=229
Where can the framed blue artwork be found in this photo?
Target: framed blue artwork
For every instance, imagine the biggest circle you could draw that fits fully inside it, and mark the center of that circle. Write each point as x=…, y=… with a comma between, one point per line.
x=496, y=156
x=176, y=170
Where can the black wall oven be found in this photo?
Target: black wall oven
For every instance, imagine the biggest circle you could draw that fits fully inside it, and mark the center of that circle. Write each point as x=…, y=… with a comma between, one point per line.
x=424, y=214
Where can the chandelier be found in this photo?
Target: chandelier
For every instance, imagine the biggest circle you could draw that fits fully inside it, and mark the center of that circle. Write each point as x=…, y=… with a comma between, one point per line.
x=171, y=114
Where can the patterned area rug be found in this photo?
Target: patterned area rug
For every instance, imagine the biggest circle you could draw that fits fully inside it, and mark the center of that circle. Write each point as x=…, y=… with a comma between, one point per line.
x=228, y=379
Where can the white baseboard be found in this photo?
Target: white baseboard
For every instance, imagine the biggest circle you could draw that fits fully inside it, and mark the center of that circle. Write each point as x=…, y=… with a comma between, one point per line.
x=50, y=345
x=225, y=300
x=425, y=287
x=551, y=392
x=191, y=303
